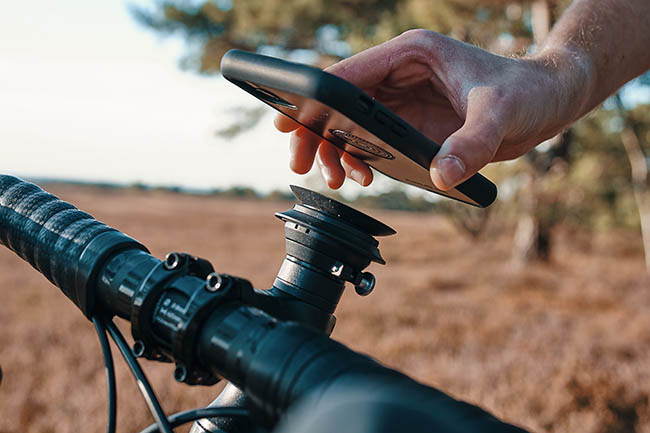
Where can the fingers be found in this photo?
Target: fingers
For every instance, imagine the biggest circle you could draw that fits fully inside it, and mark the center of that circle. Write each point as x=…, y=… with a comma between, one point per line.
x=302, y=149
x=335, y=165
x=356, y=169
x=365, y=69
x=329, y=162
x=284, y=123
x=470, y=148
x=372, y=66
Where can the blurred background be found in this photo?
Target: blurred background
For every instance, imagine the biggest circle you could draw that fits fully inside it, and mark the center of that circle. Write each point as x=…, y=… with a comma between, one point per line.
x=535, y=308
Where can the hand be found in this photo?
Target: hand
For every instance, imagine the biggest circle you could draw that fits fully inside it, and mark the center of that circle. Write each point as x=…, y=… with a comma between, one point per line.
x=480, y=106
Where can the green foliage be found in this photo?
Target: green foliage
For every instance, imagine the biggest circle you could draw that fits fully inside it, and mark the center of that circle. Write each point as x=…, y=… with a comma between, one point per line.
x=598, y=190
x=331, y=28
x=591, y=187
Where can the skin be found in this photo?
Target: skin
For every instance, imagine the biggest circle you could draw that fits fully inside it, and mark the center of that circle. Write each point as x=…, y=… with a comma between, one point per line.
x=483, y=107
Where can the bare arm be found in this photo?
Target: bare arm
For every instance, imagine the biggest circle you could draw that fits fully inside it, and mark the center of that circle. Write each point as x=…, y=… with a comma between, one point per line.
x=483, y=107
x=603, y=44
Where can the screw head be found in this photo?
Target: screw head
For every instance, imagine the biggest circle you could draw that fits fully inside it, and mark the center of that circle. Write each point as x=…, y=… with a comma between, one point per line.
x=215, y=282
x=138, y=348
x=172, y=261
x=365, y=285
x=180, y=373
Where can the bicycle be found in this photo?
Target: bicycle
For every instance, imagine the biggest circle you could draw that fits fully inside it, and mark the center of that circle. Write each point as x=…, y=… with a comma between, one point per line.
x=285, y=374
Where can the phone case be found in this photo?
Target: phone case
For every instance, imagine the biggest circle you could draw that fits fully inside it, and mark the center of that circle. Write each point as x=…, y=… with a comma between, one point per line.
x=343, y=114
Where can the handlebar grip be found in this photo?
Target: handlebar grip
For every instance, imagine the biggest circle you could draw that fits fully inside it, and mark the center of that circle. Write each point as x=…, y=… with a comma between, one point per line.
x=380, y=400
x=63, y=243
x=282, y=366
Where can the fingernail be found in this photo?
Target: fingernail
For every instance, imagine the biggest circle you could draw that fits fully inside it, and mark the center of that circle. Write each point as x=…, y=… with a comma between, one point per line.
x=357, y=176
x=451, y=170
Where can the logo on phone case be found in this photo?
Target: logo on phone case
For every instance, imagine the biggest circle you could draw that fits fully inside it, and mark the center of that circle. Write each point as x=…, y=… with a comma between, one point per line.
x=360, y=143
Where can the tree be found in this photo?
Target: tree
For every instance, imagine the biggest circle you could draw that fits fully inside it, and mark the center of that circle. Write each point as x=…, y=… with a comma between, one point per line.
x=634, y=132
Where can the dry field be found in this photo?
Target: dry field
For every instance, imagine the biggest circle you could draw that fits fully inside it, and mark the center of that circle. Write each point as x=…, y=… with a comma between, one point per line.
x=563, y=347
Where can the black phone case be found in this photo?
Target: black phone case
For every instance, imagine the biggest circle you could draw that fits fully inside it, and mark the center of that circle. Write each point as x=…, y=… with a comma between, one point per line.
x=265, y=77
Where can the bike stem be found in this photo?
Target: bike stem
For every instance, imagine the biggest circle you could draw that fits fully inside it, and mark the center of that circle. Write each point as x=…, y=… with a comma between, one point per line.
x=327, y=244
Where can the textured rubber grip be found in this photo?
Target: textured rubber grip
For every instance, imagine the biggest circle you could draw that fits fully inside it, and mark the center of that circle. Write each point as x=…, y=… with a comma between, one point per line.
x=320, y=385
x=379, y=400
x=63, y=243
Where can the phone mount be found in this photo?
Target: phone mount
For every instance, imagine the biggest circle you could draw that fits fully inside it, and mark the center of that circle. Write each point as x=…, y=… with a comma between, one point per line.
x=327, y=244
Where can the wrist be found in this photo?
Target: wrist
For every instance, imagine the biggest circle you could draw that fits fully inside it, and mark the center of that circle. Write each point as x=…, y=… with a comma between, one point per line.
x=570, y=79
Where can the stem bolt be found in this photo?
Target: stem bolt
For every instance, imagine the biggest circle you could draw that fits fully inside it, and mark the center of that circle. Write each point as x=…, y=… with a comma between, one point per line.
x=215, y=282
x=180, y=373
x=172, y=261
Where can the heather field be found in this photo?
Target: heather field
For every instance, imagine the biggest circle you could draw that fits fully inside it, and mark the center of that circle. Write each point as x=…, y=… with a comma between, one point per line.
x=561, y=347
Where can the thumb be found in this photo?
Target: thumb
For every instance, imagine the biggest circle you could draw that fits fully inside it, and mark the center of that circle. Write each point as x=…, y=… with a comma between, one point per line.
x=468, y=149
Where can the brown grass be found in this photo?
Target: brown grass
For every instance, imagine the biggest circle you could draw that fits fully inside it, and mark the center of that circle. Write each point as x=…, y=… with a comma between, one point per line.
x=563, y=347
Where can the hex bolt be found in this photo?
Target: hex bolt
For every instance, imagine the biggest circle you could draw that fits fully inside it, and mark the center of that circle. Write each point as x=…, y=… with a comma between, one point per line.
x=180, y=373
x=365, y=285
x=215, y=282
x=138, y=349
x=172, y=261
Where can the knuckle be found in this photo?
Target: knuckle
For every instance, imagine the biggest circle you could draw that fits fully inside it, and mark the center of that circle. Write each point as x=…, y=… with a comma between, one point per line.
x=415, y=37
x=415, y=34
x=489, y=141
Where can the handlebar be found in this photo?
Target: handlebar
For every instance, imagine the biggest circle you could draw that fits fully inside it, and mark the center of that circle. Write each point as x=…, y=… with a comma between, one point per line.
x=63, y=243
x=215, y=325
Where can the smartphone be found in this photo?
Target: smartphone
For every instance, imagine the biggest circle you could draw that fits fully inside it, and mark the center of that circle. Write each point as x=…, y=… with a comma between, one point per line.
x=346, y=116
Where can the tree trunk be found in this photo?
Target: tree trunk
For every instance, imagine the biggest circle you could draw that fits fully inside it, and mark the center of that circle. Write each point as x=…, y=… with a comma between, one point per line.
x=532, y=241
x=527, y=231
x=533, y=236
x=540, y=16
x=639, y=172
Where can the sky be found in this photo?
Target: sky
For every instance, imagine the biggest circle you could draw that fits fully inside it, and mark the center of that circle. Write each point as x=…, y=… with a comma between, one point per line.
x=86, y=93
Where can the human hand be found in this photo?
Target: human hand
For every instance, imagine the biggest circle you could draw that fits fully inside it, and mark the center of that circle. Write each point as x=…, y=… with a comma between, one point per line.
x=480, y=106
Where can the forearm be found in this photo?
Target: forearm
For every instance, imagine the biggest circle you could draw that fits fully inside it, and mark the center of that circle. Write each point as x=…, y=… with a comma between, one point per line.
x=599, y=45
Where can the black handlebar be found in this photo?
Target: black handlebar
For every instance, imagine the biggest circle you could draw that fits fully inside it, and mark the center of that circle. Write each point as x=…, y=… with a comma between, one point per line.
x=213, y=325
x=279, y=364
x=63, y=243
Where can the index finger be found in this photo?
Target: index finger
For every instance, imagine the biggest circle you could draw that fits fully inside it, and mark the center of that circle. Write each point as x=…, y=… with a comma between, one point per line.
x=370, y=67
